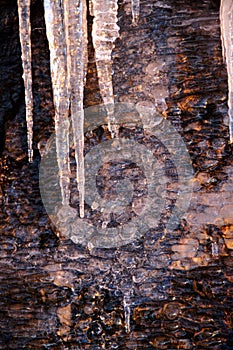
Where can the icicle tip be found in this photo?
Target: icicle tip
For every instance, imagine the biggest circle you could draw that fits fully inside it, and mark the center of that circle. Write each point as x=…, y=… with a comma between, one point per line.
x=135, y=18
x=30, y=155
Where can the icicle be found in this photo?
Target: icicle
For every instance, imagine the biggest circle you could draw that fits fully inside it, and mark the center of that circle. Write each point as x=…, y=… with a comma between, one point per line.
x=226, y=25
x=25, y=39
x=91, y=7
x=127, y=312
x=135, y=10
x=57, y=47
x=104, y=33
x=76, y=41
x=214, y=249
x=85, y=39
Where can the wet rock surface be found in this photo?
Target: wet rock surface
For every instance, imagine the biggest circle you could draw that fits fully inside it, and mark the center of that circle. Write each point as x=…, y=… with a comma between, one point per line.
x=57, y=294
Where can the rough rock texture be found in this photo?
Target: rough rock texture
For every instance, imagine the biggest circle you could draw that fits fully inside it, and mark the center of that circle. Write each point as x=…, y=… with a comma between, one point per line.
x=55, y=294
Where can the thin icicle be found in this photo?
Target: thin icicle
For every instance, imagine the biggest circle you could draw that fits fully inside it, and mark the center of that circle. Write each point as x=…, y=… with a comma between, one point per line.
x=127, y=312
x=135, y=10
x=76, y=41
x=85, y=39
x=226, y=25
x=104, y=33
x=57, y=47
x=25, y=40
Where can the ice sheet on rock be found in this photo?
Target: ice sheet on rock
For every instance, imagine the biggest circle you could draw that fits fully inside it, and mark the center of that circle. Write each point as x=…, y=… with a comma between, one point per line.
x=76, y=43
x=57, y=46
x=135, y=10
x=226, y=25
x=25, y=40
x=104, y=33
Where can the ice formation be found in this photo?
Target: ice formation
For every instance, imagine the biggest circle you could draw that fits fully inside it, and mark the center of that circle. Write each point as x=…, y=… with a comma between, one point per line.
x=135, y=9
x=25, y=40
x=76, y=40
x=54, y=20
x=226, y=25
x=104, y=33
x=127, y=311
x=66, y=28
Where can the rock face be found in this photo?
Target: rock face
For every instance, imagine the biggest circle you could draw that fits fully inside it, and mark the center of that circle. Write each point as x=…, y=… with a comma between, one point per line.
x=166, y=289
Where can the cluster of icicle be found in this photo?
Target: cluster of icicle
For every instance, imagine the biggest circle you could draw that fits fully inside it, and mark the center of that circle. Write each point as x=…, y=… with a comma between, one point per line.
x=66, y=28
x=226, y=25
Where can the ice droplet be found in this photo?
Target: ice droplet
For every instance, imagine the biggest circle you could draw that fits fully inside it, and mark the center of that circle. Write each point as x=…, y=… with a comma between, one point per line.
x=226, y=26
x=25, y=40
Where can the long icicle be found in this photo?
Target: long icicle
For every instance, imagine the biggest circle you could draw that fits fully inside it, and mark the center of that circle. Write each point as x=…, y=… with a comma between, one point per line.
x=226, y=25
x=25, y=40
x=135, y=10
x=57, y=46
x=75, y=26
x=104, y=33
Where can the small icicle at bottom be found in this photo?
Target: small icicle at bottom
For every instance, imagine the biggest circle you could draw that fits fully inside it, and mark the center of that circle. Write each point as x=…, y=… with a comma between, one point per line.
x=25, y=40
x=135, y=10
x=214, y=249
x=127, y=311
